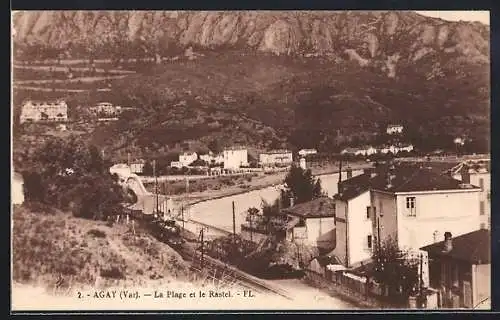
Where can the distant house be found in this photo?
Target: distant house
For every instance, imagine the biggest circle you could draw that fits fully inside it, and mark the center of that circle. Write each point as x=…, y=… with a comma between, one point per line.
x=312, y=223
x=235, y=158
x=187, y=158
x=44, y=112
x=212, y=158
x=478, y=173
x=305, y=152
x=176, y=164
x=276, y=158
x=137, y=166
x=394, y=149
x=394, y=129
x=106, y=109
x=361, y=151
x=459, y=141
x=460, y=268
x=17, y=192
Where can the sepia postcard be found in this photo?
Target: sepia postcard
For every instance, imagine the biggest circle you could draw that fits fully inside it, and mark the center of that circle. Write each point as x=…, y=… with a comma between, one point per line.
x=250, y=160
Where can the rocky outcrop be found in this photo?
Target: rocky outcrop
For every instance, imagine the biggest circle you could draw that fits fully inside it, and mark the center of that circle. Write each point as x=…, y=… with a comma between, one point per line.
x=370, y=35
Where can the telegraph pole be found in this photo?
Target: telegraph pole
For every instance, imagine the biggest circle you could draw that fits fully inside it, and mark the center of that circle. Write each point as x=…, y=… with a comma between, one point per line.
x=182, y=216
x=378, y=233
x=156, y=185
x=202, y=246
x=421, y=276
x=251, y=227
x=340, y=174
x=234, y=226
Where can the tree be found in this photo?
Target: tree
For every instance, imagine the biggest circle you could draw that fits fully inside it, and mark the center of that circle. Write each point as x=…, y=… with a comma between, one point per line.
x=394, y=271
x=214, y=146
x=147, y=169
x=71, y=175
x=301, y=185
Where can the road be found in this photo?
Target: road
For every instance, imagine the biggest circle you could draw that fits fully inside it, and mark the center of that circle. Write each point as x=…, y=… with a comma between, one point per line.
x=307, y=297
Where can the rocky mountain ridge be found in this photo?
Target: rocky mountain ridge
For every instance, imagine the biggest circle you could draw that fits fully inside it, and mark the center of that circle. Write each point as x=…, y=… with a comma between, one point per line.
x=387, y=40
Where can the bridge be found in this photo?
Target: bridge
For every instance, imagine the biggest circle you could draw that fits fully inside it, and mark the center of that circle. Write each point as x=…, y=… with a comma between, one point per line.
x=146, y=201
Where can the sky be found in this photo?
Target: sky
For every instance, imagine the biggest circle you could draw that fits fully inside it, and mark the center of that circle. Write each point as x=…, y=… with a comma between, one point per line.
x=481, y=16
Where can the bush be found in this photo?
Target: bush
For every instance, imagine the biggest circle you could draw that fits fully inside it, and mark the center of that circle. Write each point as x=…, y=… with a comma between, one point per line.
x=97, y=233
x=112, y=272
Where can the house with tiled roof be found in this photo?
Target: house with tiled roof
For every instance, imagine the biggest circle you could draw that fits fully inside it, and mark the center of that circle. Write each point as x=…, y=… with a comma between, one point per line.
x=478, y=173
x=312, y=223
x=405, y=202
x=460, y=268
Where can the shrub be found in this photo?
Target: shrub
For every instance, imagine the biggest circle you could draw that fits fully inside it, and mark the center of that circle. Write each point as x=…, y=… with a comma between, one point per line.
x=97, y=233
x=112, y=272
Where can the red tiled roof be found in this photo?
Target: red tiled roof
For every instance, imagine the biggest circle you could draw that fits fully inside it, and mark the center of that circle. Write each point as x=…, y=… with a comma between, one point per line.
x=473, y=247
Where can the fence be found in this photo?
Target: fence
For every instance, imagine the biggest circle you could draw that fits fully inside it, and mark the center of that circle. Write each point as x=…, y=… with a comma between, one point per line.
x=349, y=289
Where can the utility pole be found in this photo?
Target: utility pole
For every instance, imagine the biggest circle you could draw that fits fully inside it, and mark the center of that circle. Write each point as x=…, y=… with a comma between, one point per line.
x=378, y=233
x=156, y=184
x=421, y=282
x=251, y=227
x=202, y=246
x=340, y=174
x=182, y=216
x=234, y=227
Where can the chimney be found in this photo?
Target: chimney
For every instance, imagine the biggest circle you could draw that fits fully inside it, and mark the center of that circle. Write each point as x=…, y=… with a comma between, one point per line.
x=465, y=174
x=303, y=163
x=448, y=242
x=390, y=176
x=349, y=172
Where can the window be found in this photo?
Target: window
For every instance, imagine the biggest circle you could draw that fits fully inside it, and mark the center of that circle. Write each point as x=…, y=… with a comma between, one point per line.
x=481, y=183
x=483, y=226
x=381, y=207
x=368, y=212
x=369, y=241
x=481, y=208
x=411, y=206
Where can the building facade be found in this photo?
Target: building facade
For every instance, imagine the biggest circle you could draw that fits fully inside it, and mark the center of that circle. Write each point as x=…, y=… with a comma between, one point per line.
x=408, y=204
x=460, y=268
x=313, y=223
x=305, y=152
x=137, y=166
x=396, y=149
x=235, y=158
x=212, y=158
x=187, y=158
x=478, y=174
x=362, y=151
x=17, y=192
x=44, y=112
x=276, y=158
x=354, y=238
x=394, y=129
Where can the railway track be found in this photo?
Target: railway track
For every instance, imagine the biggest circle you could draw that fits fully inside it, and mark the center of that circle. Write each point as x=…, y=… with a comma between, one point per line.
x=229, y=274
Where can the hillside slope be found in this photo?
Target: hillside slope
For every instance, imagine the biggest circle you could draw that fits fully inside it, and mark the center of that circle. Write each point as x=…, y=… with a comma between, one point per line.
x=276, y=79
x=55, y=247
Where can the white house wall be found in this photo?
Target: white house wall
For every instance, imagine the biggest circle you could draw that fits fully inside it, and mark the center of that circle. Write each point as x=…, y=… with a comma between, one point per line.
x=359, y=229
x=340, y=228
x=456, y=212
x=483, y=196
x=386, y=211
x=318, y=227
